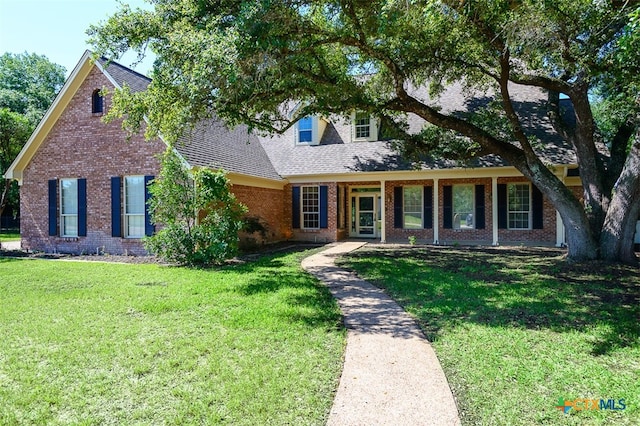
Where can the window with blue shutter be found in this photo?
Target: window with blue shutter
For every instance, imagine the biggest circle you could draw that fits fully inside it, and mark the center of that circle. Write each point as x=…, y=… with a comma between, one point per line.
x=537, y=207
x=427, y=200
x=324, y=206
x=447, y=207
x=116, y=207
x=149, y=227
x=502, y=206
x=295, y=207
x=480, y=219
x=53, y=207
x=82, y=207
x=397, y=207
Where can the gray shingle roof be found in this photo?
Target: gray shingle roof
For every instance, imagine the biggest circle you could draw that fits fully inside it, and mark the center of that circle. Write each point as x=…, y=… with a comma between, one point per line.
x=337, y=154
x=123, y=75
x=213, y=144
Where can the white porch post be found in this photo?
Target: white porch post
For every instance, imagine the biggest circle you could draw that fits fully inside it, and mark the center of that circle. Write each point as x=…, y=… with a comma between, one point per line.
x=494, y=209
x=383, y=213
x=436, y=212
x=560, y=231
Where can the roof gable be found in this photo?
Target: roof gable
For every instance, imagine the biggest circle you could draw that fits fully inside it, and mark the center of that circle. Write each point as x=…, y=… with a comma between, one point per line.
x=115, y=73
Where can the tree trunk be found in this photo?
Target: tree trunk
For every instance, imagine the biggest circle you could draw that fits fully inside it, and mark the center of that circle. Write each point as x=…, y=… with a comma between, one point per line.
x=616, y=238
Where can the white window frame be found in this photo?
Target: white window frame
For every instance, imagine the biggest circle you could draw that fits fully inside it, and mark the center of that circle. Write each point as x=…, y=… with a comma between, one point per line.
x=529, y=212
x=128, y=216
x=420, y=210
x=454, y=211
x=64, y=216
x=373, y=128
x=310, y=210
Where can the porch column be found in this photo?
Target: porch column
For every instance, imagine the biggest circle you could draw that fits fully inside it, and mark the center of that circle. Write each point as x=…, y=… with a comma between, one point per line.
x=560, y=241
x=383, y=213
x=436, y=212
x=494, y=209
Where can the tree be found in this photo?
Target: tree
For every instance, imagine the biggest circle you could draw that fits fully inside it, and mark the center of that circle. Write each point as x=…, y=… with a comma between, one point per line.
x=249, y=61
x=200, y=216
x=28, y=85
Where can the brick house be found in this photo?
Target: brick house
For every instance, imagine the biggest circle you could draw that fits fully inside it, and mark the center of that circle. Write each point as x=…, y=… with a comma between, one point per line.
x=83, y=183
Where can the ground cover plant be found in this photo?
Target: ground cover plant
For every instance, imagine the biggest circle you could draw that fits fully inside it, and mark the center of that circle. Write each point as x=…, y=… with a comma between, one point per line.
x=517, y=330
x=105, y=343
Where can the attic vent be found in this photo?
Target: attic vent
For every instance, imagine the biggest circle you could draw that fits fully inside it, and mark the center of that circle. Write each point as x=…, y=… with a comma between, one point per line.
x=97, y=102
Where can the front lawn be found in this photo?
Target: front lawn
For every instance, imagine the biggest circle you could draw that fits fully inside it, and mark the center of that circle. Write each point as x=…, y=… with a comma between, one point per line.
x=99, y=343
x=6, y=236
x=518, y=330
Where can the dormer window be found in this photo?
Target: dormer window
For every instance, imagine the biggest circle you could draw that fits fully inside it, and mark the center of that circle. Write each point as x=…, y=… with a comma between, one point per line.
x=309, y=130
x=97, y=102
x=364, y=127
x=305, y=130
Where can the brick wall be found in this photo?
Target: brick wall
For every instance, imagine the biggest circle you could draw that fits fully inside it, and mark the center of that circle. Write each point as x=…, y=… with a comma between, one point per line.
x=545, y=236
x=80, y=145
x=266, y=206
x=328, y=234
x=423, y=236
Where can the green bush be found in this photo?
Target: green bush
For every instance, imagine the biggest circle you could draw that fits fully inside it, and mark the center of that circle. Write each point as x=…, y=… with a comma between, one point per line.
x=200, y=216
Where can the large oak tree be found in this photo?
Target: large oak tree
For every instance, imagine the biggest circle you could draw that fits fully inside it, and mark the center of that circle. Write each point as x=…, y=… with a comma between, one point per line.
x=246, y=61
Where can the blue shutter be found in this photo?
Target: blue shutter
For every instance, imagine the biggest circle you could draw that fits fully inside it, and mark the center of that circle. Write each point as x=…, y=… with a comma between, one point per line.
x=427, y=201
x=324, y=206
x=536, y=208
x=480, y=207
x=447, y=207
x=82, y=207
x=295, y=207
x=149, y=228
x=502, y=206
x=116, y=207
x=397, y=207
x=53, y=207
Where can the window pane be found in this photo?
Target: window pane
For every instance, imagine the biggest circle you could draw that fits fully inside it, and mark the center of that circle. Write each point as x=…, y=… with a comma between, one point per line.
x=362, y=124
x=413, y=220
x=519, y=205
x=305, y=126
x=412, y=200
x=69, y=191
x=310, y=207
x=134, y=200
x=69, y=226
x=135, y=225
x=463, y=207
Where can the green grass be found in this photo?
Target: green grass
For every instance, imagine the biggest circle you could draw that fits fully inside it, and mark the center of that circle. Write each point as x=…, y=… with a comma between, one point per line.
x=517, y=330
x=6, y=236
x=98, y=343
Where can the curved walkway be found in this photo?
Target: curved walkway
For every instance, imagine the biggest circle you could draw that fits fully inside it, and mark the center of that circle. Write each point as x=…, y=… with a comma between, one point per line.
x=391, y=375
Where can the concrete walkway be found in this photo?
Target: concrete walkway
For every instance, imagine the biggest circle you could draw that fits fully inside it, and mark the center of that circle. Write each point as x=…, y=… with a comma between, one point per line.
x=10, y=245
x=391, y=375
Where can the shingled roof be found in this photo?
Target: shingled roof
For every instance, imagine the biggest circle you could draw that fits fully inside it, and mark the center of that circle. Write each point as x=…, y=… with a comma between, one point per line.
x=212, y=144
x=337, y=154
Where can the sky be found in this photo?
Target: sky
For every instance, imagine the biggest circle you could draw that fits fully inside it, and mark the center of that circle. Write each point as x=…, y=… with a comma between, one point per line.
x=57, y=28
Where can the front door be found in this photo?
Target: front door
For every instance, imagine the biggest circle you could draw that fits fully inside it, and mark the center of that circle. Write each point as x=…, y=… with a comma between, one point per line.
x=366, y=215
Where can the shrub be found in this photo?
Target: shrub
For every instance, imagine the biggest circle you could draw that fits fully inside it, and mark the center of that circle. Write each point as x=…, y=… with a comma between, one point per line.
x=200, y=216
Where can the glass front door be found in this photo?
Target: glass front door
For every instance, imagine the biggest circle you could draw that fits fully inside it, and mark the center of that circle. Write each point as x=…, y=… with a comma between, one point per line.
x=365, y=215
